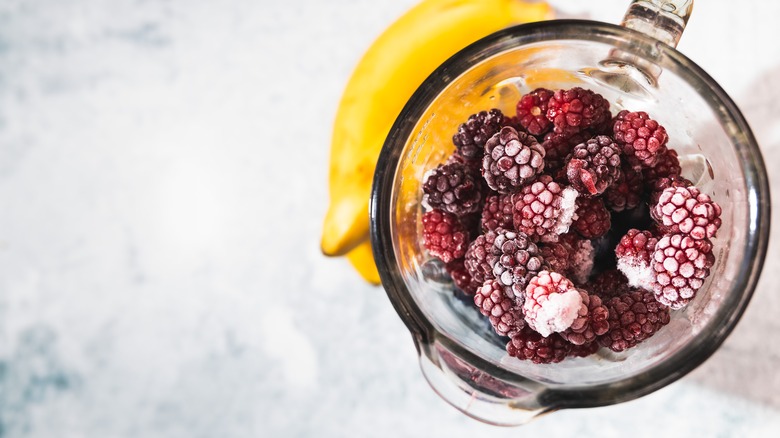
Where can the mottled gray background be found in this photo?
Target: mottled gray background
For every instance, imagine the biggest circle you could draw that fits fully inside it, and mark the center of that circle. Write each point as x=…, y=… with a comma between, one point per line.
x=162, y=184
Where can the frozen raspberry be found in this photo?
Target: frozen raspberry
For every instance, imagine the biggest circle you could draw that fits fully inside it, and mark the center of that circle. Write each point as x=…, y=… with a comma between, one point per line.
x=444, y=236
x=497, y=212
x=454, y=189
x=593, y=218
x=634, y=255
x=625, y=193
x=532, y=111
x=471, y=136
x=461, y=277
x=511, y=159
x=633, y=317
x=577, y=109
x=582, y=254
x=552, y=303
x=663, y=183
x=641, y=138
x=544, y=209
x=688, y=211
x=556, y=256
x=530, y=345
x=585, y=349
x=481, y=256
x=591, y=320
x=557, y=148
x=681, y=265
x=518, y=260
x=497, y=303
x=668, y=165
x=594, y=165
x=609, y=283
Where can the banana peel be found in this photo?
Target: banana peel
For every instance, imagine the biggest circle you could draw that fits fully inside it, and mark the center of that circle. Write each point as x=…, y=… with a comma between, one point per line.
x=381, y=84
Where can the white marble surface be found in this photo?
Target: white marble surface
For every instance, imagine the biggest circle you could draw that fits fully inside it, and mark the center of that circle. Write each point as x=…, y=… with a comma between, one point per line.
x=159, y=224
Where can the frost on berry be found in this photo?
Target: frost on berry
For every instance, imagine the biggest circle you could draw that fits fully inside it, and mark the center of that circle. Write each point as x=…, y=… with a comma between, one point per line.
x=511, y=160
x=518, y=260
x=681, y=265
x=481, y=256
x=495, y=301
x=544, y=209
x=642, y=139
x=497, y=212
x=634, y=256
x=582, y=256
x=659, y=185
x=594, y=165
x=444, y=236
x=454, y=188
x=471, y=136
x=552, y=303
x=687, y=211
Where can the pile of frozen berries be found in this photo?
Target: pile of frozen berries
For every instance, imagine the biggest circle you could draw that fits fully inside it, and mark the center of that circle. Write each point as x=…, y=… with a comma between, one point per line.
x=571, y=228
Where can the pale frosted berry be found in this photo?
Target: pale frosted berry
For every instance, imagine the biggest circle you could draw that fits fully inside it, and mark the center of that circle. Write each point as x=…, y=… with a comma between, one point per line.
x=686, y=210
x=495, y=301
x=518, y=260
x=471, y=136
x=544, y=209
x=681, y=265
x=552, y=303
x=634, y=255
x=511, y=160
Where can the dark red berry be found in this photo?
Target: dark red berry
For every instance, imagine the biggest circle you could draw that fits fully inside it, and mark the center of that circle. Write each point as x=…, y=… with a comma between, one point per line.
x=608, y=284
x=495, y=301
x=584, y=350
x=511, y=160
x=625, y=193
x=544, y=209
x=497, y=212
x=633, y=317
x=558, y=147
x=577, y=109
x=530, y=345
x=444, y=236
x=594, y=165
x=668, y=165
x=461, y=277
x=641, y=138
x=471, y=136
x=532, y=111
x=591, y=321
x=481, y=256
x=593, y=218
x=687, y=211
x=681, y=265
x=556, y=256
x=453, y=188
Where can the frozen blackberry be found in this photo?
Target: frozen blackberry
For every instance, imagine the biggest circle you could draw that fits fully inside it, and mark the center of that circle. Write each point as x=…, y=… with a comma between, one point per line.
x=444, y=236
x=577, y=109
x=495, y=301
x=582, y=255
x=544, y=209
x=641, y=138
x=593, y=218
x=663, y=183
x=591, y=321
x=530, y=345
x=518, y=260
x=461, y=277
x=584, y=350
x=453, y=188
x=552, y=303
x=634, y=258
x=481, y=256
x=633, y=317
x=681, y=265
x=625, y=193
x=497, y=212
x=471, y=136
x=594, y=165
x=687, y=211
x=532, y=111
x=558, y=147
x=608, y=284
x=556, y=256
x=668, y=165
x=511, y=160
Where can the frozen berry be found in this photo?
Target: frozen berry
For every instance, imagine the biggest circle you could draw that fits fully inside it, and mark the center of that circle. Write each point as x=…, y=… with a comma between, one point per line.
x=633, y=317
x=582, y=255
x=663, y=183
x=681, y=265
x=558, y=146
x=634, y=255
x=471, y=136
x=530, y=345
x=532, y=111
x=687, y=211
x=552, y=303
x=668, y=165
x=556, y=256
x=511, y=160
x=608, y=284
x=594, y=165
x=497, y=303
x=577, y=109
x=518, y=260
x=544, y=209
x=461, y=277
x=641, y=138
x=593, y=218
x=625, y=193
x=497, y=212
x=481, y=256
x=453, y=188
x=444, y=236
x=585, y=349
x=591, y=321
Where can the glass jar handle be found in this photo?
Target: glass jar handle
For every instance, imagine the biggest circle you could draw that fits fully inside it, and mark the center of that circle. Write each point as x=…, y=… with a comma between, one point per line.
x=663, y=20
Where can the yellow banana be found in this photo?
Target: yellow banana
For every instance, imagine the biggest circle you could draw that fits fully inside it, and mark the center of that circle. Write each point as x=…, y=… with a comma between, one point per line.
x=385, y=78
x=362, y=259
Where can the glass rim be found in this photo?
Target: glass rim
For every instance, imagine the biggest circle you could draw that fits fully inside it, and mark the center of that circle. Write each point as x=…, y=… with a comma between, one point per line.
x=751, y=163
